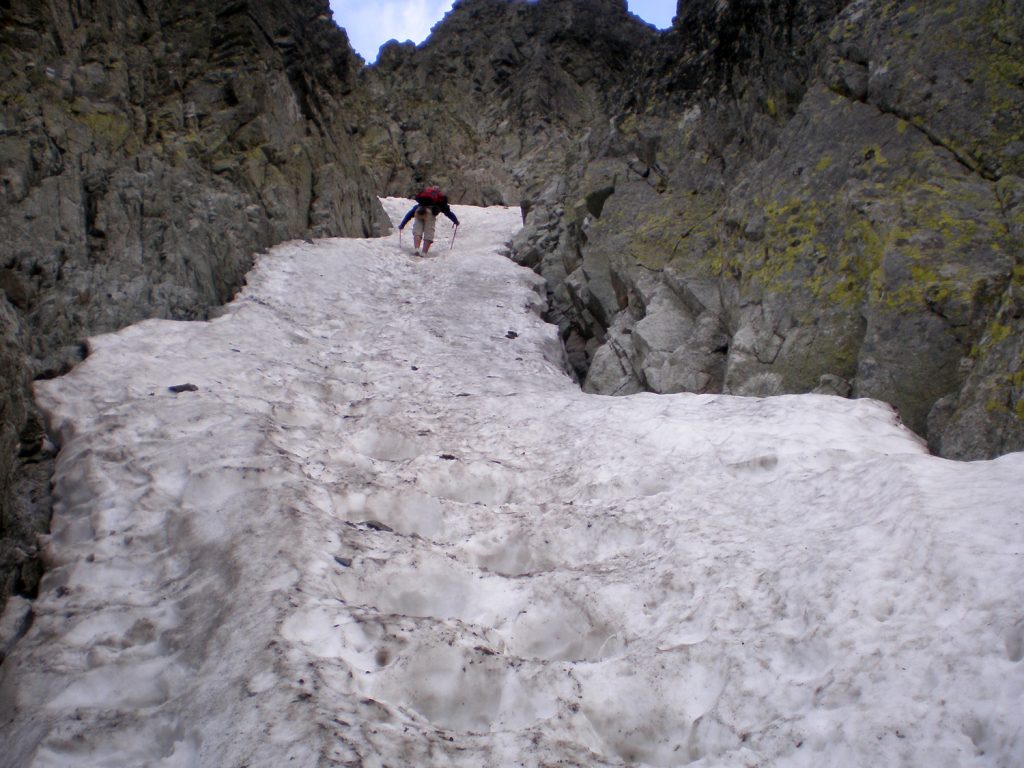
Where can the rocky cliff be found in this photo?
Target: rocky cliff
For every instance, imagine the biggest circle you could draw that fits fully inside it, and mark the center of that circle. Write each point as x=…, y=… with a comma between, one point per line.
x=147, y=152
x=500, y=100
x=768, y=198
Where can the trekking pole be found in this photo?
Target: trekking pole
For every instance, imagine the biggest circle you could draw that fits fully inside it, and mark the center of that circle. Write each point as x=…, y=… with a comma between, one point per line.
x=455, y=231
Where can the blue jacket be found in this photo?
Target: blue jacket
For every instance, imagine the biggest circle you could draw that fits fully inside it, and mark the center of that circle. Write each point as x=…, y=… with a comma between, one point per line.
x=435, y=208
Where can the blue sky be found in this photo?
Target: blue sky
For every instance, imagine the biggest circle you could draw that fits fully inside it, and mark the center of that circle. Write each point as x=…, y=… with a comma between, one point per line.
x=370, y=25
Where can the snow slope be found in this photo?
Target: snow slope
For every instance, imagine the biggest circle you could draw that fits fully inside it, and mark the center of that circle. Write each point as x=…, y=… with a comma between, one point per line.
x=387, y=529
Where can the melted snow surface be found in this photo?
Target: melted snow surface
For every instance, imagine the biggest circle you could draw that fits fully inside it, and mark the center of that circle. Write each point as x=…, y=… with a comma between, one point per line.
x=386, y=531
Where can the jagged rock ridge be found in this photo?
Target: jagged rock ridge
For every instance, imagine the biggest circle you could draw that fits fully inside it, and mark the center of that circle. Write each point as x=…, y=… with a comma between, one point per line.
x=500, y=99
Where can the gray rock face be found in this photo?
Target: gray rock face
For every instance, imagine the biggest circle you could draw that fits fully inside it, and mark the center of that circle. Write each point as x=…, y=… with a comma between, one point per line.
x=832, y=193
x=146, y=154
x=880, y=259
x=13, y=412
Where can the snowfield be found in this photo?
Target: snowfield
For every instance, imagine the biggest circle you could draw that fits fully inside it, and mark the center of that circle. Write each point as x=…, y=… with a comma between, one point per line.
x=387, y=529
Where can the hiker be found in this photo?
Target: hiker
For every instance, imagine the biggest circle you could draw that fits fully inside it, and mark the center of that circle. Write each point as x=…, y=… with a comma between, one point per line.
x=429, y=203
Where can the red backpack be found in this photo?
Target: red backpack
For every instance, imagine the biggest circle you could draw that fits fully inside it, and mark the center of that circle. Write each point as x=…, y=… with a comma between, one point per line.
x=432, y=196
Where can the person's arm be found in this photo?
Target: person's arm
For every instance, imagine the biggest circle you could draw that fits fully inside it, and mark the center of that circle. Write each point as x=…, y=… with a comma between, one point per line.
x=408, y=216
x=447, y=211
